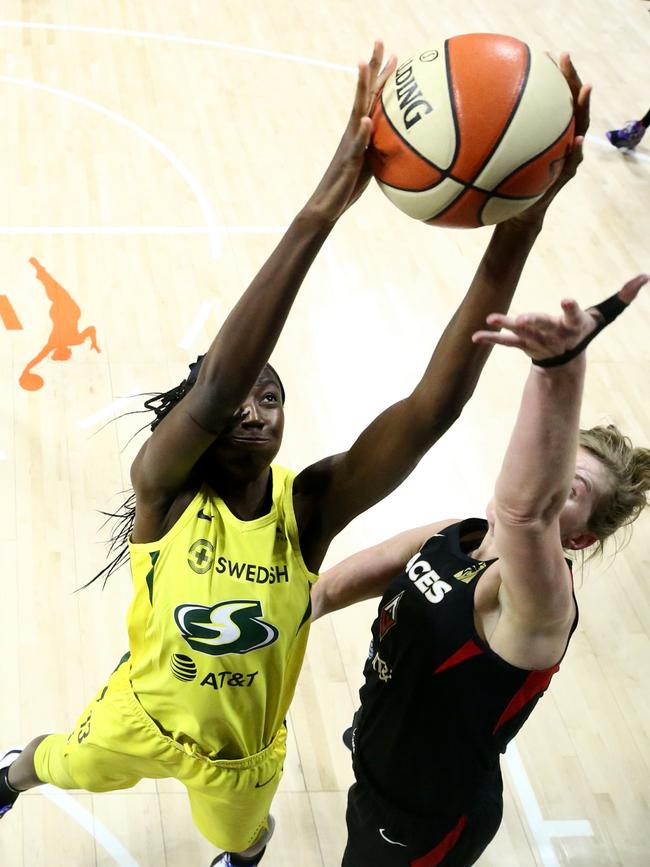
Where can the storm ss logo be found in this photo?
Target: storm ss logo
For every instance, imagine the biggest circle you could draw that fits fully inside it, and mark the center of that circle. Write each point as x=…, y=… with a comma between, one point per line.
x=228, y=627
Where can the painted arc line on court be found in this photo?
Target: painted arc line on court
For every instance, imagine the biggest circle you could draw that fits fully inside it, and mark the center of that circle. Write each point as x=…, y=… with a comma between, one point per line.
x=89, y=823
x=185, y=40
x=109, y=411
x=169, y=155
x=227, y=46
x=140, y=230
x=541, y=830
x=199, y=321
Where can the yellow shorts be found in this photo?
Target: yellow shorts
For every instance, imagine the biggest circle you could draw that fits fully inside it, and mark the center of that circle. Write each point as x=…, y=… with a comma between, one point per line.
x=115, y=744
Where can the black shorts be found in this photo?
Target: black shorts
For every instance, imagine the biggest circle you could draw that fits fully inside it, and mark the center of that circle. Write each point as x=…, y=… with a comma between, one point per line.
x=378, y=837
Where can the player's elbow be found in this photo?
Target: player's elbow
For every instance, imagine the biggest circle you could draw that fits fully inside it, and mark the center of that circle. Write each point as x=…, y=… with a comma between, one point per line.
x=319, y=600
x=533, y=516
x=431, y=419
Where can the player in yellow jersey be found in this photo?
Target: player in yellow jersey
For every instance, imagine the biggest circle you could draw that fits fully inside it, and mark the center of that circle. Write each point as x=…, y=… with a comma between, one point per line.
x=225, y=545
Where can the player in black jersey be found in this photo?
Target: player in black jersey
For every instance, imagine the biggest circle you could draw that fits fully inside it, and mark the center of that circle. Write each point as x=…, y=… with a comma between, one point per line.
x=471, y=630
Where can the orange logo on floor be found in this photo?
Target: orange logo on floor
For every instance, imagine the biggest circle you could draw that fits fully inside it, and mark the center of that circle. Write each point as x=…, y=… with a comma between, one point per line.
x=65, y=314
x=8, y=315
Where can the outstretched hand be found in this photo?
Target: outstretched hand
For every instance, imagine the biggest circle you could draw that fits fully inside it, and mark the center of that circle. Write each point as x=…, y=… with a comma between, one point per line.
x=541, y=335
x=581, y=94
x=348, y=174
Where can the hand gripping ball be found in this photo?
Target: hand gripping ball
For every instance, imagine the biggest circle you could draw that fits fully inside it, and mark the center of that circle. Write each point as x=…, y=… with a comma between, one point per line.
x=471, y=131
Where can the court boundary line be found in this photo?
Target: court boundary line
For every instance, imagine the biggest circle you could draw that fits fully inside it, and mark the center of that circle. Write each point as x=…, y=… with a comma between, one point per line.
x=97, y=830
x=202, y=316
x=178, y=38
x=633, y=156
x=541, y=829
x=108, y=410
x=140, y=230
x=224, y=46
x=167, y=153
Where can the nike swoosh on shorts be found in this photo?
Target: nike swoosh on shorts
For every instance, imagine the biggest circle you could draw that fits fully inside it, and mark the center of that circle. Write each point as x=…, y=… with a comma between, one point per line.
x=266, y=782
x=388, y=840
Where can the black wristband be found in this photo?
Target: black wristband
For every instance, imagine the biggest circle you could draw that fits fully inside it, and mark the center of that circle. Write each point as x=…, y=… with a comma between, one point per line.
x=608, y=309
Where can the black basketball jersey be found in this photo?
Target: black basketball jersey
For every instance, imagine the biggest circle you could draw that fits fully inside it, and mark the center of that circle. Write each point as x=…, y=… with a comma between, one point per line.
x=438, y=705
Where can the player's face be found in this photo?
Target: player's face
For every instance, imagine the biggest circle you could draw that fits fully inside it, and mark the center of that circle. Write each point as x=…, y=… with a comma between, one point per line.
x=591, y=484
x=255, y=433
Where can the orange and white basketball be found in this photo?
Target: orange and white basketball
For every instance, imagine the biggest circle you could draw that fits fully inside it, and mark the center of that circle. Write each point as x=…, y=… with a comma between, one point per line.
x=471, y=131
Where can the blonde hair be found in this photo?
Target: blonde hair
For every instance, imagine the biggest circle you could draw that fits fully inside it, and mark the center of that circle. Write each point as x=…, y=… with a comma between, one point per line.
x=629, y=468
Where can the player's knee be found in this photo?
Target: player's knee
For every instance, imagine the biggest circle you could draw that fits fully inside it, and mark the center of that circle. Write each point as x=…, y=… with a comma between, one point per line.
x=94, y=771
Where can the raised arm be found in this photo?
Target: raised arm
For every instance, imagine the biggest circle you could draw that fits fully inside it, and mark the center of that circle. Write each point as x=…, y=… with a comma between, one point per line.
x=249, y=334
x=367, y=574
x=543, y=500
x=334, y=491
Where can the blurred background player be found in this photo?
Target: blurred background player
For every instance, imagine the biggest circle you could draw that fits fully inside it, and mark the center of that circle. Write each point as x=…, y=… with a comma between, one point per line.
x=630, y=135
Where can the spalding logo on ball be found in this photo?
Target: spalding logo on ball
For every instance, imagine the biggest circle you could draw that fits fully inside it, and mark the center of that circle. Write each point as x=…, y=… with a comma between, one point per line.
x=472, y=131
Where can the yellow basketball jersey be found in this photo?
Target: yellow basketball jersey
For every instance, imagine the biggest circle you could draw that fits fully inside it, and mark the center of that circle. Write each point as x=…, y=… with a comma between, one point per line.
x=219, y=623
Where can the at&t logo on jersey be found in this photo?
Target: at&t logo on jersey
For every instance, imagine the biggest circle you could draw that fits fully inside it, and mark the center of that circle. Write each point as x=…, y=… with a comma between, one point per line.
x=382, y=668
x=185, y=669
x=228, y=627
x=426, y=579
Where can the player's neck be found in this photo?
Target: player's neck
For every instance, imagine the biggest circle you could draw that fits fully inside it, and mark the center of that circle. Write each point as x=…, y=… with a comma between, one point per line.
x=486, y=549
x=247, y=500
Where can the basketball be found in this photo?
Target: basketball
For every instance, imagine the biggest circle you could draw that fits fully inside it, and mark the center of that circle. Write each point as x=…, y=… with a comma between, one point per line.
x=471, y=131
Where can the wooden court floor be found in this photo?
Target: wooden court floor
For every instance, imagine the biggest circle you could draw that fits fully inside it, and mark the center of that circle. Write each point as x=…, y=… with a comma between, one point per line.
x=152, y=152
